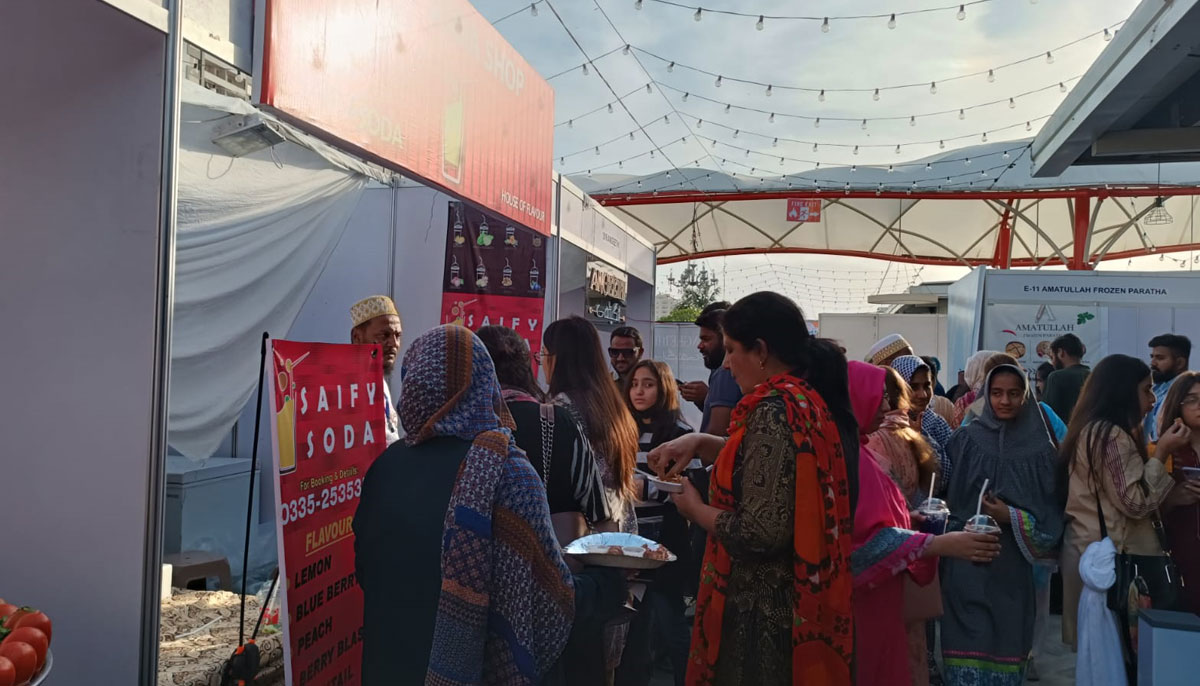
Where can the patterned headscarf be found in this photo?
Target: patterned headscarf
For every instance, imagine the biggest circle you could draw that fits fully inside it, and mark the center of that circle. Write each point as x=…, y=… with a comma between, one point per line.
x=908, y=366
x=507, y=600
x=974, y=374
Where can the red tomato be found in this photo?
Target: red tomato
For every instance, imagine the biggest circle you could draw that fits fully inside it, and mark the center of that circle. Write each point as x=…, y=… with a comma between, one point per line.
x=34, y=637
x=6, y=609
x=11, y=622
x=8, y=672
x=37, y=620
x=23, y=657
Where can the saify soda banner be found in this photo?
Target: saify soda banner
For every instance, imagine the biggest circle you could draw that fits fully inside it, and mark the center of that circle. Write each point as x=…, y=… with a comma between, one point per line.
x=493, y=274
x=428, y=86
x=328, y=404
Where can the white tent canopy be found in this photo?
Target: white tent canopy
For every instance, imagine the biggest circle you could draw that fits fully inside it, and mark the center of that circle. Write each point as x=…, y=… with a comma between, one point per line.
x=976, y=205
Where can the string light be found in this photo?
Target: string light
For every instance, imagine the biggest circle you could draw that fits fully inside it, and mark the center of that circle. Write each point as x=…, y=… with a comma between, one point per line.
x=1028, y=126
x=610, y=108
x=648, y=89
x=825, y=25
x=875, y=97
x=912, y=121
x=892, y=22
x=821, y=96
x=670, y=67
x=759, y=24
x=1012, y=104
x=1107, y=36
x=897, y=149
x=928, y=167
x=856, y=150
x=698, y=15
x=962, y=114
x=533, y=9
x=769, y=89
x=727, y=108
x=570, y=123
x=1049, y=57
x=1062, y=87
x=775, y=143
x=933, y=87
x=771, y=119
x=585, y=69
x=625, y=50
x=991, y=76
x=637, y=4
x=983, y=139
x=962, y=12
x=685, y=96
x=864, y=125
x=717, y=83
x=699, y=123
x=817, y=123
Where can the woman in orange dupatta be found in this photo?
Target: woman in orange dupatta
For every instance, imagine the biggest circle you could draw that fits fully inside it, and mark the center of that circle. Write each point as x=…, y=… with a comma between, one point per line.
x=774, y=604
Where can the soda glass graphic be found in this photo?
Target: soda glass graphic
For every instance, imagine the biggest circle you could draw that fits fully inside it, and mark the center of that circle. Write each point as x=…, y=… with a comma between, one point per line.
x=452, y=140
x=285, y=415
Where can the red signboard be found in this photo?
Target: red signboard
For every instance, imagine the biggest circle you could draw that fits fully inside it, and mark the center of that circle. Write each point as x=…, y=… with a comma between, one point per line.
x=493, y=274
x=328, y=404
x=426, y=86
x=804, y=209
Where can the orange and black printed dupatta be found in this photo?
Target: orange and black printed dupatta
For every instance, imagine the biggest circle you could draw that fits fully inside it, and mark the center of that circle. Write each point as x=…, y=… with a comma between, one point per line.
x=822, y=617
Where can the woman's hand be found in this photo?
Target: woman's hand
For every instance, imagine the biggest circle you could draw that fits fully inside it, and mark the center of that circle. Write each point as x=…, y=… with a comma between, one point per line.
x=1183, y=494
x=688, y=502
x=963, y=545
x=997, y=509
x=1171, y=440
x=672, y=457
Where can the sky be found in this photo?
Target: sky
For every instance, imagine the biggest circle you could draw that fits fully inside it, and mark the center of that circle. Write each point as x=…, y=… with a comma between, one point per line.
x=864, y=54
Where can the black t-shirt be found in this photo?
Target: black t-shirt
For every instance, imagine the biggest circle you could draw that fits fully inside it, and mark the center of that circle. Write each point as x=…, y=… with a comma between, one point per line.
x=574, y=484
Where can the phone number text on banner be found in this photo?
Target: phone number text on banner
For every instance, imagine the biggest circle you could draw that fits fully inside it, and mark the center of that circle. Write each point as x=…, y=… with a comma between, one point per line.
x=328, y=407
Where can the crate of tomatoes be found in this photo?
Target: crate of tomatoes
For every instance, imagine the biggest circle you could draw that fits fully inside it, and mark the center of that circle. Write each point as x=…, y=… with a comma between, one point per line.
x=24, y=644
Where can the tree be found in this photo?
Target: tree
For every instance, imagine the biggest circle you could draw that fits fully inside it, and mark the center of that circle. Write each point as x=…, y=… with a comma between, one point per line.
x=697, y=285
x=682, y=313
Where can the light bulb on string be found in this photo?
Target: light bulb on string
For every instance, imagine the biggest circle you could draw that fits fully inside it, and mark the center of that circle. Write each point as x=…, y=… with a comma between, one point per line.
x=718, y=81
x=533, y=9
x=864, y=125
x=856, y=150
x=648, y=89
x=625, y=50
x=585, y=69
x=651, y=154
x=1049, y=57
x=891, y=169
x=825, y=25
x=892, y=22
x=775, y=143
x=698, y=15
x=728, y=107
x=1107, y=35
x=736, y=132
x=770, y=90
x=666, y=119
x=962, y=12
x=962, y=114
x=879, y=190
x=928, y=167
x=875, y=97
x=983, y=139
x=699, y=123
x=759, y=24
x=747, y=152
x=912, y=121
x=983, y=173
x=610, y=108
x=967, y=161
x=670, y=67
x=933, y=87
x=597, y=151
x=781, y=161
x=771, y=119
x=1028, y=126
x=814, y=147
x=817, y=123
x=991, y=77
x=685, y=96
x=1062, y=87
x=637, y=4
x=897, y=149
x=631, y=135
x=1006, y=155
x=570, y=123
x=941, y=145
x=853, y=168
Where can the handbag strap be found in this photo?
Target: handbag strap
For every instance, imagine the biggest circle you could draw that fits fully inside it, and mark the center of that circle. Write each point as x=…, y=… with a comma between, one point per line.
x=547, y=422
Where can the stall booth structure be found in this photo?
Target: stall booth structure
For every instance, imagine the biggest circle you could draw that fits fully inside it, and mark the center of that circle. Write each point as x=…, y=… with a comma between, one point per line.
x=1021, y=312
x=608, y=269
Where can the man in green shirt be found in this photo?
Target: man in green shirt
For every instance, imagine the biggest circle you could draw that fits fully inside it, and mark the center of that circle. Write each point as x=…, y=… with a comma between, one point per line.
x=1065, y=383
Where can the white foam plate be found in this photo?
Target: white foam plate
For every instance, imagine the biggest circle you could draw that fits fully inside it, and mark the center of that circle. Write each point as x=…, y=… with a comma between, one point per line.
x=596, y=550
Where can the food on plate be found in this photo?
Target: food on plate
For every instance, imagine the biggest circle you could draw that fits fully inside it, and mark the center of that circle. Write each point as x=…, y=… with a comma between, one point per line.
x=23, y=657
x=659, y=553
x=1043, y=349
x=34, y=637
x=31, y=618
x=1016, y=349
x=615, y=550
x=6, y=609
x=8, y=672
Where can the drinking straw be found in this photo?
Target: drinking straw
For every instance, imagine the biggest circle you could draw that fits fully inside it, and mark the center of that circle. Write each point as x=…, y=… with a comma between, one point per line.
x=979, y=505
x=931, y=484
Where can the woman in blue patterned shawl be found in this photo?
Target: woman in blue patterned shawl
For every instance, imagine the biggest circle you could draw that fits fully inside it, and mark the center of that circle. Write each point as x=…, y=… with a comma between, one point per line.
x=935, y=429
x=496, y=605
x=987, y=628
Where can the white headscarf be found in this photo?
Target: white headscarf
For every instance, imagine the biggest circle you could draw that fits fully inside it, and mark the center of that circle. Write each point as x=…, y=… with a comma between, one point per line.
x=974, y=373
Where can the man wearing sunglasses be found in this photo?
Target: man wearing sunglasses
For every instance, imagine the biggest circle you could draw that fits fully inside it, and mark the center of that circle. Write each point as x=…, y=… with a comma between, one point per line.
x=624, y=351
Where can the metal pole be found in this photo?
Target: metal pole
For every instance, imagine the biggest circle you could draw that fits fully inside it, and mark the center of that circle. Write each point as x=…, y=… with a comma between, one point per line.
x=160, y=390
x=392, y=249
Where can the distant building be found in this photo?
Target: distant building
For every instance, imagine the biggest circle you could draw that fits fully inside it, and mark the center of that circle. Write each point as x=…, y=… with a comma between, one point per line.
x=664, y=303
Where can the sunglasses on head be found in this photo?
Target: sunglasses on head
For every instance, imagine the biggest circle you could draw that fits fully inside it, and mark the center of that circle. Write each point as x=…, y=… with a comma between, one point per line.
x=622, y=352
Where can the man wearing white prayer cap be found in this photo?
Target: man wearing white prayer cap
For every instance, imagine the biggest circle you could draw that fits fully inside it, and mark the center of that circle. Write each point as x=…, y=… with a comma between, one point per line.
x=887, y=349
x=375, y=320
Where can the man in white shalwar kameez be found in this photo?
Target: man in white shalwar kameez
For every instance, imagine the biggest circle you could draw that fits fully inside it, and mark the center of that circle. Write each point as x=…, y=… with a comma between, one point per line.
x=375, y=320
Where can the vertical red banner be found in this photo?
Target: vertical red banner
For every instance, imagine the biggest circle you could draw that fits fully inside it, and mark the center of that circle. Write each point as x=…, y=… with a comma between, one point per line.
x=493, y=274
x=328, y=404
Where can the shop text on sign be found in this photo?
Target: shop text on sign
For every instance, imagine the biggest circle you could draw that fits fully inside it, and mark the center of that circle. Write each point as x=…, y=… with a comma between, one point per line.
x=804, y=209
x=1097, y=290
x=462, y=110
x=328, y=407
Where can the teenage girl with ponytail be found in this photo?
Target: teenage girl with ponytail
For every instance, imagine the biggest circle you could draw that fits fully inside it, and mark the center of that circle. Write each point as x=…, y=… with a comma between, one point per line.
x=774, y=602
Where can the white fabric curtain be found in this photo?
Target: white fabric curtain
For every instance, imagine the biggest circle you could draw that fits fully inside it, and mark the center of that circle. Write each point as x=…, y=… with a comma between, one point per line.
x=254, y=234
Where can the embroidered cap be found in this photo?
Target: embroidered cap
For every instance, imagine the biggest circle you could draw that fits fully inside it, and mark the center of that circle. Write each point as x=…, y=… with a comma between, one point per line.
x=887, y=347
x=369, y=308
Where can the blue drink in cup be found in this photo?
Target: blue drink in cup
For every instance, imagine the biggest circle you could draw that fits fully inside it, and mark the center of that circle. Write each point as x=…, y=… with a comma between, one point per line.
x=936, y=513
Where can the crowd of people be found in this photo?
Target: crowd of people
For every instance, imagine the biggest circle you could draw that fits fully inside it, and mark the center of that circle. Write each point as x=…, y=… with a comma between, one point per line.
x=841, y=522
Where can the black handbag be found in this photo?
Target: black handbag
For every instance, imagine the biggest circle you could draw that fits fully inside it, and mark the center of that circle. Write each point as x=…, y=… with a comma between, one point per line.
x=1143, y=579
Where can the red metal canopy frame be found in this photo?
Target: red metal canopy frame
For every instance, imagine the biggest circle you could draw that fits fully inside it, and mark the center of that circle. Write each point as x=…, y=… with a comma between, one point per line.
x=1084, y=215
